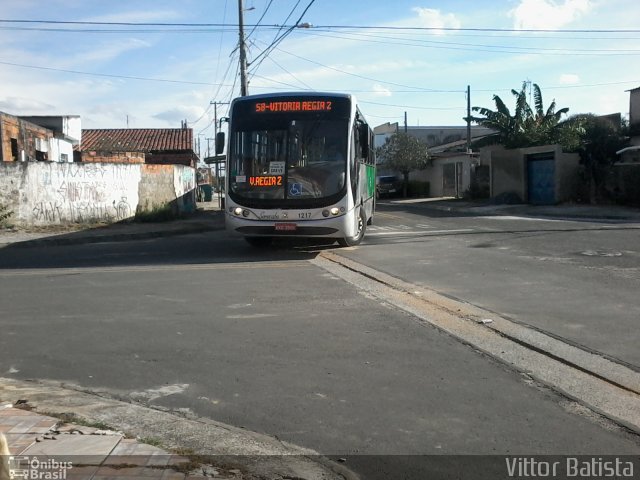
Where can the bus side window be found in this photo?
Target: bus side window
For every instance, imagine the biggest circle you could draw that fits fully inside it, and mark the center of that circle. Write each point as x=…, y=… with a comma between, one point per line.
x=354, y=161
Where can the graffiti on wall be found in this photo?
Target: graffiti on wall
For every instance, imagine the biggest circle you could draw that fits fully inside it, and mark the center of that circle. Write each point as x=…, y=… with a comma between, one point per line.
x=47, y=212
x=84, y=193
x=56, y=193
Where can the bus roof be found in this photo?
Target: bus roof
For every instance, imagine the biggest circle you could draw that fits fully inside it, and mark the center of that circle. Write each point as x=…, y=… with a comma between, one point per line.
x=294, y=94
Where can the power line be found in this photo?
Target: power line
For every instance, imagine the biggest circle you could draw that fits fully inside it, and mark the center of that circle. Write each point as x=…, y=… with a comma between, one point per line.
x=360, y=27
x=260, y=19
x=279, y=39
x=108, y=75
x=418, y=89
x=413, y=90
x=481, y=47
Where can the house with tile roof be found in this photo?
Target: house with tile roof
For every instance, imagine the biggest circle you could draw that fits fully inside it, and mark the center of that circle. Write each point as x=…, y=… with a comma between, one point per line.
x=160, y=146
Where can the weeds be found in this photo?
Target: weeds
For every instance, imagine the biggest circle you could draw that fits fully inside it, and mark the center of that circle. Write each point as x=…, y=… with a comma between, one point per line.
x=157, y=214
x=154, y=442
x=5, y=213
x=76, y=420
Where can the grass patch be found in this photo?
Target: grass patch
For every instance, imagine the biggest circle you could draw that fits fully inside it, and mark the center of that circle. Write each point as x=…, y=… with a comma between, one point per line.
x=76, y=420
x=154, y=442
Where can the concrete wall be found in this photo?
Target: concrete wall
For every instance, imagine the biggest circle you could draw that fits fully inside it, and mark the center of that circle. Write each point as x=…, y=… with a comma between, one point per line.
x=46, y=193
x=112, y=157
x=59, y=147
x=567, y=175
x=434, y=174
x=509, y=170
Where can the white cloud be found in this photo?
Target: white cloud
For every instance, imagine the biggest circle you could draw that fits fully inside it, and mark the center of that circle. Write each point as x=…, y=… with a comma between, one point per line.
x=432, y=18
x=106, y=51
x=380, y=91
x=22, y=104
x=143, y=16
x=548, y=14
x=569, y=79
x=175, y=115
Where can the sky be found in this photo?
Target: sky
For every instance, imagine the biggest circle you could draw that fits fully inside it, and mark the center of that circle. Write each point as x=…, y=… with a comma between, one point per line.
x=413, y=57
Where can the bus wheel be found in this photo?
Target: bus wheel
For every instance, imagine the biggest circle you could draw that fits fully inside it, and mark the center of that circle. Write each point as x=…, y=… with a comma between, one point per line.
x=355, y=240
x=259, y=241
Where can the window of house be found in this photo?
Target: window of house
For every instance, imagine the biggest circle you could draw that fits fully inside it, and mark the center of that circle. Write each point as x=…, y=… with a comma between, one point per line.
x=14, y=149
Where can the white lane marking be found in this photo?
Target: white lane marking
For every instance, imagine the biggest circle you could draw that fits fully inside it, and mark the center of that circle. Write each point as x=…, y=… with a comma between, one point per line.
x=255, y=315
x=421, y=232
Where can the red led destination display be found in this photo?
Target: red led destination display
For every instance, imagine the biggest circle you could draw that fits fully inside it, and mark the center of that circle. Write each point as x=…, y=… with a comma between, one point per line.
x=266, y=181
x=294, y=106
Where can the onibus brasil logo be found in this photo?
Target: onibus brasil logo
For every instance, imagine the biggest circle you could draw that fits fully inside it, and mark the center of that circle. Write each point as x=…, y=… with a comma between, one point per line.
x=34, y=468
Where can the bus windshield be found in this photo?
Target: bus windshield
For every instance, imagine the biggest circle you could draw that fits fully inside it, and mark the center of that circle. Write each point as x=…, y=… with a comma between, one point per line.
x=299, y=159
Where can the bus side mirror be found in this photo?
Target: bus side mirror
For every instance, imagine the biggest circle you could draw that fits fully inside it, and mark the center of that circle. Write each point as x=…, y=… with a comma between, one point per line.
x=219, y=143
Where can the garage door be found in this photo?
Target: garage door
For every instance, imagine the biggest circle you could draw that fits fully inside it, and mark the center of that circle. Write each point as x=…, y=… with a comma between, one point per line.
x=541, y=169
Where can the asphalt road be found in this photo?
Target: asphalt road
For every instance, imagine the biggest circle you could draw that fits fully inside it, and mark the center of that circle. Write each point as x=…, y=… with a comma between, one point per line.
x=266, y=340
x=577, y=279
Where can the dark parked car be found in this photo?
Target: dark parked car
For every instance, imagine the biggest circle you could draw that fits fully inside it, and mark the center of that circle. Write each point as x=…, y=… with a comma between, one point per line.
x=388, y=186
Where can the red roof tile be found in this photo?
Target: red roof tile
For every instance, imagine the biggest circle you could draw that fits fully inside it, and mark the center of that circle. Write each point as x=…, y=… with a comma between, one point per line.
x=137, y=139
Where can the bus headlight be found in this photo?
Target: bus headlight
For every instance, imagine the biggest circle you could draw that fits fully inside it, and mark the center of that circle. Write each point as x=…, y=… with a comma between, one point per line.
x=325, y=213
x=237, y=211
x=335, y=211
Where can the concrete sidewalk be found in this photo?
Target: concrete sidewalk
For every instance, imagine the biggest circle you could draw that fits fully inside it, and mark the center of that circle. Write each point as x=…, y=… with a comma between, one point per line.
x=50, y=446
x=206, y=218
x=561, y=211
x=105, y=438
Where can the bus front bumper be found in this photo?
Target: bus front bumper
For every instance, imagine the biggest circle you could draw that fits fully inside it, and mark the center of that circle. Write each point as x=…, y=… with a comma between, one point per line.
x=325, y=227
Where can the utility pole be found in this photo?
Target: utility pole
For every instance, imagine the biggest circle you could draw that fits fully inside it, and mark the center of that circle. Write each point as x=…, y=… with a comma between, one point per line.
x=216, y=128
x=468, y=119
x=215, y=113
x=406, y=128
x=209, y=146
x=243, y=53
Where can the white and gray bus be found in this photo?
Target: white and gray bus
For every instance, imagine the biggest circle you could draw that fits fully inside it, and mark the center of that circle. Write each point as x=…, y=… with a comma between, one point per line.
x=301, y=165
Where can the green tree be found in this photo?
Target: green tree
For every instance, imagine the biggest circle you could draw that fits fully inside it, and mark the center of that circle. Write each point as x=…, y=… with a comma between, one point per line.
x=527, y=127
x=596, y=140
x=405, y=154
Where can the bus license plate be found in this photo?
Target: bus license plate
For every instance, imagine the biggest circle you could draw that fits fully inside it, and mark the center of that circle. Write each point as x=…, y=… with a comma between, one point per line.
x=286, y=227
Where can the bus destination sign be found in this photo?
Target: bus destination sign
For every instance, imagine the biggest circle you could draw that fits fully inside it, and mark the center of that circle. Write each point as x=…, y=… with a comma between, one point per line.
x=266, y=181
x=294, y=106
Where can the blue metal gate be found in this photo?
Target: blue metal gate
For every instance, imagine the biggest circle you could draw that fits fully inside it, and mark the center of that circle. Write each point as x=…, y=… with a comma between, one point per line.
x=541, y=168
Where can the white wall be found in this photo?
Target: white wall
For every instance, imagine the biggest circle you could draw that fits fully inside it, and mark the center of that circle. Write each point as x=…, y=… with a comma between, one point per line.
x=50, y=193
x=57, y=147
x=79, y=193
